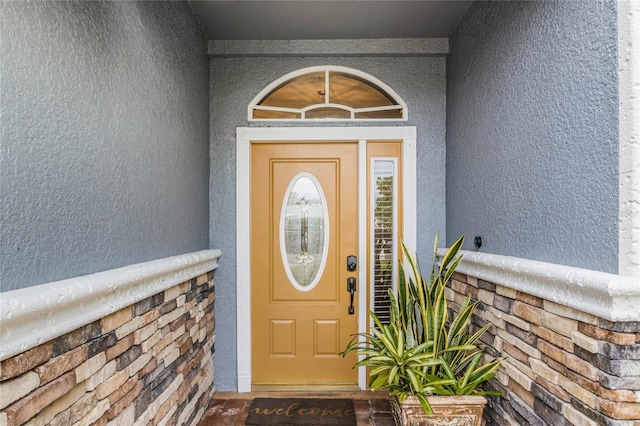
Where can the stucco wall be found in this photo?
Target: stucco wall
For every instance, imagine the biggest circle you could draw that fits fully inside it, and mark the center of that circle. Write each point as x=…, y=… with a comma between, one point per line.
x=104, y=154
x=532, y=131
x=420, y=81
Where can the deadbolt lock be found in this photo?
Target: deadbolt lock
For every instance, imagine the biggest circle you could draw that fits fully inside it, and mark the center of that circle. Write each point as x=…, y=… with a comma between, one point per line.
x=352, y=263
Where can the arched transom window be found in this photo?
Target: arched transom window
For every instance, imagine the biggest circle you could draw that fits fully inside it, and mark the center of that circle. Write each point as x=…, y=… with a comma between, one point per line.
x=327, y=93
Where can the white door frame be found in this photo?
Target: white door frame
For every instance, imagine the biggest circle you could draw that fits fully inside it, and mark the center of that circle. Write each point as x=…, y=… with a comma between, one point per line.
x=245, y=136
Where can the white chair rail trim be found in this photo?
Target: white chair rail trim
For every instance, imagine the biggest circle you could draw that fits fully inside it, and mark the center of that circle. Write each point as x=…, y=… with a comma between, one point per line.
x=34, y=315
x=608, y=296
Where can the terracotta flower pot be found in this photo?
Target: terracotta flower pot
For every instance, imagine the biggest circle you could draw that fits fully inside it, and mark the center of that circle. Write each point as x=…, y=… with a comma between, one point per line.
x=447, y=411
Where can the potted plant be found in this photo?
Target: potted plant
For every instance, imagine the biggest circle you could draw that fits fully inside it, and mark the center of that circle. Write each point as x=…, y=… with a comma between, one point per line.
x=430, y=364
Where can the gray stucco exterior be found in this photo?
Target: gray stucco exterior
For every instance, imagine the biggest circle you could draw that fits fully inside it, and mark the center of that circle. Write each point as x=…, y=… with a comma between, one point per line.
x=104, y=154
x=419, y=81
x=118, y=138
x=532, y=131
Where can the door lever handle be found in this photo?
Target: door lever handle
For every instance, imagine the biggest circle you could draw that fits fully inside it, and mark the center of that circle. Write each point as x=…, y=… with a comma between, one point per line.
x=351, y=288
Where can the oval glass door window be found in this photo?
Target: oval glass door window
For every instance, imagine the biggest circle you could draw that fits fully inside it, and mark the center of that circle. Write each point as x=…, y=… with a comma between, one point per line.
x=304, y=231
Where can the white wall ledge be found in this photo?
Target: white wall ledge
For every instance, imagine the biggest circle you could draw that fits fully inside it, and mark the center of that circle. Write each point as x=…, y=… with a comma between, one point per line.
x=370, y=47
x=608, y=296
x=34, y=315
x=629, y=137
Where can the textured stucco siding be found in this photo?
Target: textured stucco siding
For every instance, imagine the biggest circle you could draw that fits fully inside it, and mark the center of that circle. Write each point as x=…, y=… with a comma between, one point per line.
x=532, y=131
x=419, y=81
x=104, y=154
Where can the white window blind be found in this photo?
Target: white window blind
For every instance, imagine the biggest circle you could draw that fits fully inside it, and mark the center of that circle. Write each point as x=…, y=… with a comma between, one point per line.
x=384, y=235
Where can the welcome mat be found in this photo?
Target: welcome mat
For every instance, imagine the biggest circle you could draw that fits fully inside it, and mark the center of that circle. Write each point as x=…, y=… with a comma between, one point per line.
x=301, y=411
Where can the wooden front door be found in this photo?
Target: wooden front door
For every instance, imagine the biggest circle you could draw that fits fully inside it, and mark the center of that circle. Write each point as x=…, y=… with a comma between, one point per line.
x=304, y=225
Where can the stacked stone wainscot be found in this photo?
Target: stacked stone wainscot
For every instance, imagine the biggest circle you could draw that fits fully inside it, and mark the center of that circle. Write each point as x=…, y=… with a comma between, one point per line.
x=562, y=366
x=147, y=363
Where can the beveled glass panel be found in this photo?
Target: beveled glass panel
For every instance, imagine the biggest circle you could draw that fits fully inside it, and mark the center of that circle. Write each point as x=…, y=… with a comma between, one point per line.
x=299, y=92
x=327, y=112
x=304, y=231
x=268, y=114
x=345, y=89
x=389, y=113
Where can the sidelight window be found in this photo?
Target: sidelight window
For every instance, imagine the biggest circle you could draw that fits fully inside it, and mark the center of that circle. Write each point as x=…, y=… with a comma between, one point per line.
x=384, y=231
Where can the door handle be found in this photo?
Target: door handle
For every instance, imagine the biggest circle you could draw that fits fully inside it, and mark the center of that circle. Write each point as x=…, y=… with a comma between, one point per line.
x=351, y=288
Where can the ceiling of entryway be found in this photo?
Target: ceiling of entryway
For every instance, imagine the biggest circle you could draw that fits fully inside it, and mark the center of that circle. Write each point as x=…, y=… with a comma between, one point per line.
x=327, y=19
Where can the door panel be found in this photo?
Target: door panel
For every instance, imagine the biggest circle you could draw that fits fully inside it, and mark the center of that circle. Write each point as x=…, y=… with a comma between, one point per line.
x=283, y=338
x=326, y=338
x=283, y=170
x=297, y=331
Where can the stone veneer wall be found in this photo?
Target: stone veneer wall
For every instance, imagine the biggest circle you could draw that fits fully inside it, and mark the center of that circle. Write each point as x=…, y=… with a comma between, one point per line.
x=150, y=363
x=561, y=367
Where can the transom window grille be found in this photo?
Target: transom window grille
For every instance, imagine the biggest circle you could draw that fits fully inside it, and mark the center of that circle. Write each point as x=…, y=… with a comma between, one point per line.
x=384, y=241
x=327, y=93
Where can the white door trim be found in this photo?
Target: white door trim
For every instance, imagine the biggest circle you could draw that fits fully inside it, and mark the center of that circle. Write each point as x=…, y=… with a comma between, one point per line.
x=245, y=136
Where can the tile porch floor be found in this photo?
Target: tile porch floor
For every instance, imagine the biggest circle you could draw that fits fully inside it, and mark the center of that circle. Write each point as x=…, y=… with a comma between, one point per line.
x=231, y=408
